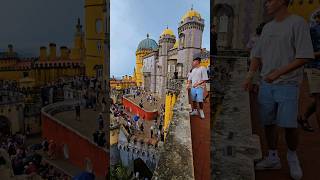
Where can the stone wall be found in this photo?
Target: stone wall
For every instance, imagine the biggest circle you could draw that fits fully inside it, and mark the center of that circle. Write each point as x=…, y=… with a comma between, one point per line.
x=67, y=136
x=176, y=158
x=234, y=147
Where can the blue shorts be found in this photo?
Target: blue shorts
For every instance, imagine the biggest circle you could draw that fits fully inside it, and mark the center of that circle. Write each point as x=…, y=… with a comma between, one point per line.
x=278, y=104
x=197, y=94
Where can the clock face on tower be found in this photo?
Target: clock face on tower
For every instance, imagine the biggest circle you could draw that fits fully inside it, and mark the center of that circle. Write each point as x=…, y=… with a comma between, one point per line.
x=99, y=26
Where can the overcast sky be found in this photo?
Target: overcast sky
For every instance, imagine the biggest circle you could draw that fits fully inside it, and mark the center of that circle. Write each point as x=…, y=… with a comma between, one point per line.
x=131, y=20
x=29, y=24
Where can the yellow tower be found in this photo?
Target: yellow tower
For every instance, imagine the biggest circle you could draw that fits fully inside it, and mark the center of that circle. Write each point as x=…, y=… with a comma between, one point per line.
x=304, y=8
x=77, y=52
x=145, y=47
x=95, y=16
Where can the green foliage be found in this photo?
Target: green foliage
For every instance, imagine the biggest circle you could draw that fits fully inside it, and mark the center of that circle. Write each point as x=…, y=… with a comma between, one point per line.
x=119, y=172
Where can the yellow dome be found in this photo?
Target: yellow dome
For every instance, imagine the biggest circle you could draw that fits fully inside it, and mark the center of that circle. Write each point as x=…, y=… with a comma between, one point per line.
x=167, y=32
x=176, y=44
x=191, y=13
x=304, y=8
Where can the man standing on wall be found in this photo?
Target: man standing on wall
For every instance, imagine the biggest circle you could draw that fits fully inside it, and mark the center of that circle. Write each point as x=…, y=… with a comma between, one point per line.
x=196, y=81
x=282, y=50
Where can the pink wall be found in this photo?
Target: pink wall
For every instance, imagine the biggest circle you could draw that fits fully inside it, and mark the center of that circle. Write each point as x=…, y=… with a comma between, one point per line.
x=79, y=148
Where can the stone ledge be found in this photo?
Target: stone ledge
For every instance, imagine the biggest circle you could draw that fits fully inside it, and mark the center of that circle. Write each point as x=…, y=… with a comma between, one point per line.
x=234, y=147
x=176, y=158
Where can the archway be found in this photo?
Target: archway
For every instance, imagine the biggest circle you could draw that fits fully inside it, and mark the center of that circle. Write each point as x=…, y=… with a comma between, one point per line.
x=223, y=15
x=141, y=167
x=5, y=126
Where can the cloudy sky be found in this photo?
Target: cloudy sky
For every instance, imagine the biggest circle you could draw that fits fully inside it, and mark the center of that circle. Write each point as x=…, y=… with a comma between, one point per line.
x=131, y=20
x=29, y=24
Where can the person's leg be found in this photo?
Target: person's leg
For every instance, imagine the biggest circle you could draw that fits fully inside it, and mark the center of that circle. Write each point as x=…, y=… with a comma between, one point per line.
x=267, y=115
x=287, y=97
x=271, y=133
x=292, y=135
x=200, y=101
x=194, y=105
x=201, y=105
x=194, y=101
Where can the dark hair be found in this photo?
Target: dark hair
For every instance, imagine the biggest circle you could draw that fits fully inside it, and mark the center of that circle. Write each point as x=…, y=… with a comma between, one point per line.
x=260, y=28
x=197, y=58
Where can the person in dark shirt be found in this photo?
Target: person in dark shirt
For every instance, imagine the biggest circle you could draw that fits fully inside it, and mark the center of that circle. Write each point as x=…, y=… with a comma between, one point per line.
x=77, y=112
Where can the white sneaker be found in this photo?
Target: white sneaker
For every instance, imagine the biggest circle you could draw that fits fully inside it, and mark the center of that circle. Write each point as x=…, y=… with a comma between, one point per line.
x=269, y=163
x=194, y=112
x=201, y=114
x=294, y=166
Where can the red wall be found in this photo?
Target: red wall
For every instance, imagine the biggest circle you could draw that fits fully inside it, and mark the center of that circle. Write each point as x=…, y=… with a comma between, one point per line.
x=79, y=148
x=137, y=110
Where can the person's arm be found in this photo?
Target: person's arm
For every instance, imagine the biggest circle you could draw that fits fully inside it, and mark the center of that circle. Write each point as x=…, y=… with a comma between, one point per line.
x=253, y=69
x=204, y=75
x=189, y=81
x=285, y=70
x=303, y=51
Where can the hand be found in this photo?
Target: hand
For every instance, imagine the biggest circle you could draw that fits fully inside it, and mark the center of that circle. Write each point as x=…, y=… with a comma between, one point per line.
x=188, y=86
x=247, y=85
x=195, y=85
x=272, y=76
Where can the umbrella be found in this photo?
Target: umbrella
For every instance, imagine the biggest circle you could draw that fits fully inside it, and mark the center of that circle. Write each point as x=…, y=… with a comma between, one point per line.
x=84, y=176
x=135, y=118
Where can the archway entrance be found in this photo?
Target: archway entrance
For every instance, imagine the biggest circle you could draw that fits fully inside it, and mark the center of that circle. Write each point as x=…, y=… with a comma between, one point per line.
x=142, y=169
x=5, y=127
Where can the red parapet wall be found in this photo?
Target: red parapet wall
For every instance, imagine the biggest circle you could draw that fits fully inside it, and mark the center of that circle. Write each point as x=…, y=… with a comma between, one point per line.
x=135, y=109
x=79, y=147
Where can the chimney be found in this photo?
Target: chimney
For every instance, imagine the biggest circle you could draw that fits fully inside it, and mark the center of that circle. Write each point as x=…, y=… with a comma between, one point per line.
x=64, y=53
x=43, y=53
x=10, y=48
x=53, y=51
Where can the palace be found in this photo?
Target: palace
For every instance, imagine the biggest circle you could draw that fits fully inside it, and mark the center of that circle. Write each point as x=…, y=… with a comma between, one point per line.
x=156, y=63
x=86, y=57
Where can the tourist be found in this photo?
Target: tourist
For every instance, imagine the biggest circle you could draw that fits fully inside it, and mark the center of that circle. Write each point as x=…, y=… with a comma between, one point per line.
x=281, y=56
x=96, y=136
x=100, y=121
x=28, y=130
x=45, y=144
x=313, y=74
x=196, y=81
x=51, y=149
x=104, y=105
x=162, y=136
x=151, y=131
x=141, y=127
x=77, y=112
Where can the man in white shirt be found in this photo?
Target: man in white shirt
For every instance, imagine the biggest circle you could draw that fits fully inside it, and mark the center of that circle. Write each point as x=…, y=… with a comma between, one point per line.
x=196, y=81
x=283, y=48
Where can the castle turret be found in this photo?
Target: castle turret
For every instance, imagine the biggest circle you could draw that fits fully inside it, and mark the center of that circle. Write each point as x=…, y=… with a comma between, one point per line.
x=43, y=53
x=10, y=49
x=145, y=47
x=64, y=53
x=166, y=42
x=190, y=39
x=53, y=52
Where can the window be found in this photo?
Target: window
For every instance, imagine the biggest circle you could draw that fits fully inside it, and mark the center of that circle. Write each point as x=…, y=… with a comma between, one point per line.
x=99, y=26
x=25, y=74
x=99, y=47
